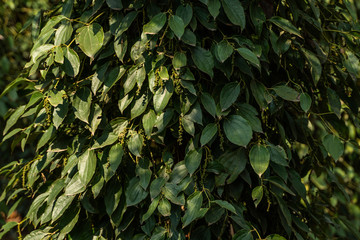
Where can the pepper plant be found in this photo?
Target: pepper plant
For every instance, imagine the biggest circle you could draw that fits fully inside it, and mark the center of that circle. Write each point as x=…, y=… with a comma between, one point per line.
x=210, y=119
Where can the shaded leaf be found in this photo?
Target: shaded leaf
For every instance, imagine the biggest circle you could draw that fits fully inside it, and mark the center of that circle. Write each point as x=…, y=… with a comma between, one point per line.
x=259, y=159
x=237, y=130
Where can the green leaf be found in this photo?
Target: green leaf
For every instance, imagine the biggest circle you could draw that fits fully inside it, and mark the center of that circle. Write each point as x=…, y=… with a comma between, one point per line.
x=11, y=134
x=139, y=105
x=7, y=227
x=156, y=24
x=45, y=137
x=285, y=25
x=333, y=146
x=351, y=62
x=192, y=160
x=315, y=65
x=12, y=84
x=287, y=93
x=237, y=130
x=224, y=50
x=112, y=198
x=260, y=94
x=37, y=235
x=279, y=183
x=13, y=118
x=249, y=56
x=258, y=17
x=257, y=195
x=115, y=156
x=177, y=25
x=164, y=207
x=235, y=12
x=120, y=47
x=148, y=121
x=188, y=125
x=155, y=187
x=179, y=60
x=61, y=204
x=193, y=208
x=67, y=8
x=87, y=166
x=226, y=205
x=55, y=189
x=189, y=38
x=195, y=114
x=134, y=192
x=275, y=237
x=114, y=4
x=278, y=155
x=229, y=93
x=68, y=223
x=95, y=118
x=203, y=59
x=125, y=23
x=208, y=133
x=214, y=7
x=90, y=39
x=243, y=235
x=115, y=74
x=305, y=102
x=135, y=144
x=185, y=12
x=250, y=114
x=259, y=159
x=63, y=34
x=208, y=103
x=143, y=171
x=163, y=73
x=135, y=75
x=71, y=64
x=75, y=186
x=162, y=96
x=56, y=97
x=153, y=205
x=334, y=102
x=41, y=51
x=159, y=233
x=82, y=104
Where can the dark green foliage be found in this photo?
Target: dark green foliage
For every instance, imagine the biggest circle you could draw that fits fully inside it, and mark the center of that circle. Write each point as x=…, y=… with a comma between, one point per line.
x=211, y=119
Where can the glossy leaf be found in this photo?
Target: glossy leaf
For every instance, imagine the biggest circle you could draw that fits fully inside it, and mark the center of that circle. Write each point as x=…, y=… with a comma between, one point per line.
x=82, y=104
x=285, y=25
x=257, y=195
x=71, y=64
x=156, y=24
x=90, y=39
x=87, y=166
x=259, y=159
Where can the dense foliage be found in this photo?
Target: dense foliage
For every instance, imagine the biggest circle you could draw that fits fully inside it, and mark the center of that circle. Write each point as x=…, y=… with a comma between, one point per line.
x=211, y=119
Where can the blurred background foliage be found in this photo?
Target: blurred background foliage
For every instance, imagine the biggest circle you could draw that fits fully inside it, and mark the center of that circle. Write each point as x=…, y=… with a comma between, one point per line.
x=19, y=25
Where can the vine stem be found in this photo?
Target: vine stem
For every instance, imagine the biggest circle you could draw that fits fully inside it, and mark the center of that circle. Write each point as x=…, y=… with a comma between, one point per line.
x=255, y=230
